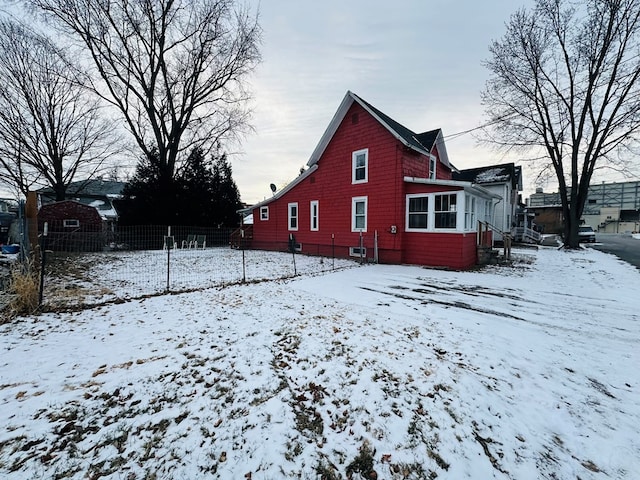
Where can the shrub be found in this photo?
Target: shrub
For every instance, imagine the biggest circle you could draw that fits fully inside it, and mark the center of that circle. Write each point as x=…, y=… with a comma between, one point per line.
x=24, y=285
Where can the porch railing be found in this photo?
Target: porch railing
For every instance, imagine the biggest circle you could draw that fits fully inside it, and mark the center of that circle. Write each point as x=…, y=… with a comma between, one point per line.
x=526, y=235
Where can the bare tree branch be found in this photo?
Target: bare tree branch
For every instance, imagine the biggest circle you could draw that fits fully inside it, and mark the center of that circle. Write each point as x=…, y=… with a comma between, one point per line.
x=176, y=69
x=565, y=80
x=51, y=129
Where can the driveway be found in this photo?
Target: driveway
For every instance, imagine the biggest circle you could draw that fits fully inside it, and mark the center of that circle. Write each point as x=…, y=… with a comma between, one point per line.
x=622, y=245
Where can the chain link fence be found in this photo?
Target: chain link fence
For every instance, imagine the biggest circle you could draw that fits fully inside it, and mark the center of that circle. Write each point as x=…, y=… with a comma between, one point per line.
x=90, y=268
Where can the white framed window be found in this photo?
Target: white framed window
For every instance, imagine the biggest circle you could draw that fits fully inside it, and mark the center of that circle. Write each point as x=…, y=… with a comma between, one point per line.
x=360, y=166
x=417, y=212
x=313, y=216
x=432, y=167
x=359, y=214
x=70, y=223
x=446, y=210
x=264, y=213
x=293, y=216
x=357, y=251
x=488, y=211
x=469, y=212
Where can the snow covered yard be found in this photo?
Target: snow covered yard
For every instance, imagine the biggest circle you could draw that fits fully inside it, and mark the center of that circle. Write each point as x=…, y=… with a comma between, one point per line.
x=521, y=372
x=92, y=278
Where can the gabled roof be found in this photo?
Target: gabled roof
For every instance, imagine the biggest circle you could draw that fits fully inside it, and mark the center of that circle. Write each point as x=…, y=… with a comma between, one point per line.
x=422, y=142
x=95, y=187
x=96, y=193
x=503, y=173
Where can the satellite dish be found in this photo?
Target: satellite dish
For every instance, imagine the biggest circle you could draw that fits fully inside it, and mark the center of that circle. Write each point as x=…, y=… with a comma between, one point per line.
x=273, y=187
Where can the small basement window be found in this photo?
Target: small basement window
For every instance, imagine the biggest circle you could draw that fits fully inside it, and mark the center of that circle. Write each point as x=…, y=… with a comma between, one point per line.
x=357, y=251
x=70, y=223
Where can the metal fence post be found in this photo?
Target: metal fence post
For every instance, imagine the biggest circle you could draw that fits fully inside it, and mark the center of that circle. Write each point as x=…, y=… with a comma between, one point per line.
x=333, y=251
x=375, y=247
x=293, y=252
x=244, y=269
x=167, y=242
x=43, y=257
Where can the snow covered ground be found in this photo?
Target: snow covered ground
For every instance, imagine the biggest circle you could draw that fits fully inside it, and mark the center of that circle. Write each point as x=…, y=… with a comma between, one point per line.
x=521, y=372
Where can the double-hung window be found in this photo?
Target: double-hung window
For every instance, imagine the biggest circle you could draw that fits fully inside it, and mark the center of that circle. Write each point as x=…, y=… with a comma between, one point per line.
x=445, y=211
x=432, y=167
x=417, y=212
x=293, y=216
x=264, y=213
x=313, y=215
x=488, y=211
x=469, y=212
x=360, y=165
x=359, y=214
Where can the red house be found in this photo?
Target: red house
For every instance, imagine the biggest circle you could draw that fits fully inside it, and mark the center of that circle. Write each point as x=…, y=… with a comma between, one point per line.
x=376, y=190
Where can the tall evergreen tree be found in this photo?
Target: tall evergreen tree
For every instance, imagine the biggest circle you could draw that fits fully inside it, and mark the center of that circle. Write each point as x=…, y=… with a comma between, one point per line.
x=225, y=192
x=202, y=194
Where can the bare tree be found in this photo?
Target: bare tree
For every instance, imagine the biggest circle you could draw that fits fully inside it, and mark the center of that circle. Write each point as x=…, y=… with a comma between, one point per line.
x=176, y=69
x=51, y=130
x=565, y=83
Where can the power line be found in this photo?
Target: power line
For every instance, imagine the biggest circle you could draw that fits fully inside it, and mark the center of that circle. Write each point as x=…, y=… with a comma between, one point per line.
x=480, y=127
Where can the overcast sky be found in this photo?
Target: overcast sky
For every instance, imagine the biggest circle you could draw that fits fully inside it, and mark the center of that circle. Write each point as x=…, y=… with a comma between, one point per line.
x=418, y=61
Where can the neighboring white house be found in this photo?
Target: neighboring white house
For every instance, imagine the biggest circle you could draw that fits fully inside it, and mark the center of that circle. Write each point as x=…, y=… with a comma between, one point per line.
x=504, y=180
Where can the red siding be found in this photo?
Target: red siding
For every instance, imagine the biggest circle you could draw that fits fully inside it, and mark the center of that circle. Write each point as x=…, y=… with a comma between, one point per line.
x=55, y=214
x=454, y=250
x=331, y=185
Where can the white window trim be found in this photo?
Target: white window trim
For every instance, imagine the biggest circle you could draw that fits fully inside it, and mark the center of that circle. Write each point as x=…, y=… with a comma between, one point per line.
x=471, y=213
x=432, y=167
x=429, y=211
x=71, y=223
x=431, y=216
x=264, y=213
x=289, y=217
x=354, y=155
x=314, y=215
x=355, y=200
x=459, y=212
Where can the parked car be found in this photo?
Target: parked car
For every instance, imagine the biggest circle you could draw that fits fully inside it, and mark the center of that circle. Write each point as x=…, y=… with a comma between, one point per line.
x=586, y=234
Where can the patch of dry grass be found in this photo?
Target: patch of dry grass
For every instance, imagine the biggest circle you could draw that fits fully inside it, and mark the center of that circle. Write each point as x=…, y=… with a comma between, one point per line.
x=24, y=287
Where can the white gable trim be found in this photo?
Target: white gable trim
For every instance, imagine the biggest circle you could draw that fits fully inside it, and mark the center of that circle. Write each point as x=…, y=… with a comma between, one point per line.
x=346, y=103
x=331, y=129
x=279, y=194
x=442, y=150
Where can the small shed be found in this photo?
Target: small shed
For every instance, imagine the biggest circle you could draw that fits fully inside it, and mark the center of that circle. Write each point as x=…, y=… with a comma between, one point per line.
x=71, y=226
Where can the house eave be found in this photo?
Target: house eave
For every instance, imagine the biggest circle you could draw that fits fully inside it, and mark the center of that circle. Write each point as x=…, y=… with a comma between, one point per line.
x=280, y=193
x=466, y=186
